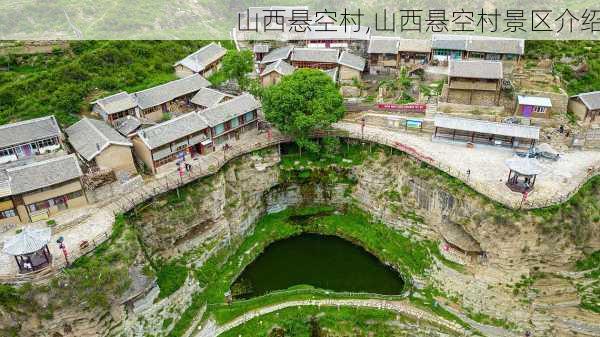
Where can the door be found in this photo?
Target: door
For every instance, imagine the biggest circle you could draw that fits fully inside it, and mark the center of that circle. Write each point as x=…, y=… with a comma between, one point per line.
x=527, y=110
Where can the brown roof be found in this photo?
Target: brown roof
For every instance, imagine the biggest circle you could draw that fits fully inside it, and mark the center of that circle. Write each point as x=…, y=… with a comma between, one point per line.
x=476, y=69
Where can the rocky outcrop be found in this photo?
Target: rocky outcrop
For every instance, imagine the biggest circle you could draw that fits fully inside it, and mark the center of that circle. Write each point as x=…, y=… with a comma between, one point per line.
x=222, y=208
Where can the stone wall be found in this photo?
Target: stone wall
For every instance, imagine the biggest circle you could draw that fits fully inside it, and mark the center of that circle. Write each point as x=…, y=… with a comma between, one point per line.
x=114, y=190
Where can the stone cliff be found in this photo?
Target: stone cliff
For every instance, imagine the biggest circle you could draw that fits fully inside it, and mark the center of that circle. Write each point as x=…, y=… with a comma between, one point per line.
x=499, y=248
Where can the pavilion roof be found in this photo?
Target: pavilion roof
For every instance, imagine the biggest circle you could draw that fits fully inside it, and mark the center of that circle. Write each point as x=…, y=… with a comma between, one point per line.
x=30, y=240
x=524, y=166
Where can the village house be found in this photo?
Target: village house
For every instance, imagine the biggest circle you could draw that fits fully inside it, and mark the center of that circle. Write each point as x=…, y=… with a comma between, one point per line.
x=351, y=67
x=585, y=105
x=474, y=82
x=115, y=107
x=383, y=54
x=413, y=51
x=533, y=106
x=205, y=61
x=318, y=58
x=229, y=119
x=278, y=54
x=129, y=125
x=484, y=132
x=336, y=36
x=182, y=137
x=101, y=147
x=458, y=47
x=39, y=189
x=207, y=98
x=29, y=138
x=273, y=72
x=171, y=97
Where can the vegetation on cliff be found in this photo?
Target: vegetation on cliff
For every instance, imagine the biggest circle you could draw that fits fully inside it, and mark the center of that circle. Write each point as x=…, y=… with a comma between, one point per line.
x=301, y=103
x=91, y=282
x=576, y=62
x=65, y=82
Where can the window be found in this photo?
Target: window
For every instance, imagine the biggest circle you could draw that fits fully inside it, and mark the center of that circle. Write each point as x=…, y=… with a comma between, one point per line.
x=234, y=123
x=9, y=213
x=219, y=129
x=249, y=116
x=74, y=195
x=38, y=206
x=7, y=152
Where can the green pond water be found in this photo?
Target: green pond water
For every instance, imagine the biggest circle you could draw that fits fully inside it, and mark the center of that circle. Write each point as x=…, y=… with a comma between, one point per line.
x=326, y=262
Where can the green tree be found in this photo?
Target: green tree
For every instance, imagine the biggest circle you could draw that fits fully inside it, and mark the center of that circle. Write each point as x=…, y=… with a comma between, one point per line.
x=301, y=103
x=237, y=65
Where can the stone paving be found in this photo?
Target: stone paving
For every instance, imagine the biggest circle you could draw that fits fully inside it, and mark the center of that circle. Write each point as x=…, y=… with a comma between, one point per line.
x=93, y=223
x=558, y=181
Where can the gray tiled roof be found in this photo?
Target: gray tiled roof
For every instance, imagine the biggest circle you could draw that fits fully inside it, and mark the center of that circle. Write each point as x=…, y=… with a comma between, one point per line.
x=414, y=45
x=127, y=125
x=352, y=61
x=590, y=99
x=28, y=131
x=42, y=174
x=89, y=137
x=282, y=53
x=118, y=102
x=208, y=97
x=234, y=107
x=475, y=69
x=172, y=130
x=475, y=125
x=203, y=57
x=281, y=67
x=383, y=45
x=166, y=92
x=497, y=45
x=325, y=55
x=29, y=240
x=452, y=42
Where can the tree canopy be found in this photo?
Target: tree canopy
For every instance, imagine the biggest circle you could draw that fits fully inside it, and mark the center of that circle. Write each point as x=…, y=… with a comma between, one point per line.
x=301, y=103
x=237, y=65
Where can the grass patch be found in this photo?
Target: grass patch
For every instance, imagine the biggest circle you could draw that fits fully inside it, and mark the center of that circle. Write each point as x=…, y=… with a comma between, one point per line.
x=315, y=321
x=170, y=277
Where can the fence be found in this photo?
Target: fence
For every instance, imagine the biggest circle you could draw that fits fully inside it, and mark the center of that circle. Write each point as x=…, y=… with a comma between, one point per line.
x=58, y=262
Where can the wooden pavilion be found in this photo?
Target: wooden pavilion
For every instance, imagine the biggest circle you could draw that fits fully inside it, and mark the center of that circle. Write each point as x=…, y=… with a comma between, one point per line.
x=522, y=174
x=30, y=249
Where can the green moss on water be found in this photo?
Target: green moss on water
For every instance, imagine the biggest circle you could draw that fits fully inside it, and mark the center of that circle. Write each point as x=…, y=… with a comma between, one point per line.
x=408, y=256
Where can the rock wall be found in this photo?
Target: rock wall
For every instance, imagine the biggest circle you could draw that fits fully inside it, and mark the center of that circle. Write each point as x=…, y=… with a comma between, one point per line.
x=213, y=211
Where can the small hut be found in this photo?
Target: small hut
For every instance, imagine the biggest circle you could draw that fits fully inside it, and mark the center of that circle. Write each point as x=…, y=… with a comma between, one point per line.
x=522, y=174
x=30, y=249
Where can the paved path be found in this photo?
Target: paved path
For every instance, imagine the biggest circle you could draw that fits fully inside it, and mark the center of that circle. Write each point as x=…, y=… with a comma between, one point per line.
x=210, y=329
x=559, y=180
x=93, y=223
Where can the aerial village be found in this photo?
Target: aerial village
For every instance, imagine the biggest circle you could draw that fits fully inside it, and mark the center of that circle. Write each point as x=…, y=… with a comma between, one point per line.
x=470, y=106
x=470, y=90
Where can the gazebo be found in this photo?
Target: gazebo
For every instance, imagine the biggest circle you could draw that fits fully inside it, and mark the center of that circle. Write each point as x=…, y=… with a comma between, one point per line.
x=30, y=249
x=522, y=175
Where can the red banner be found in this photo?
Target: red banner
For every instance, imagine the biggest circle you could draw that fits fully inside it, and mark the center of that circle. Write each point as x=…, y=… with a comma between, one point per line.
x=412, y=107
